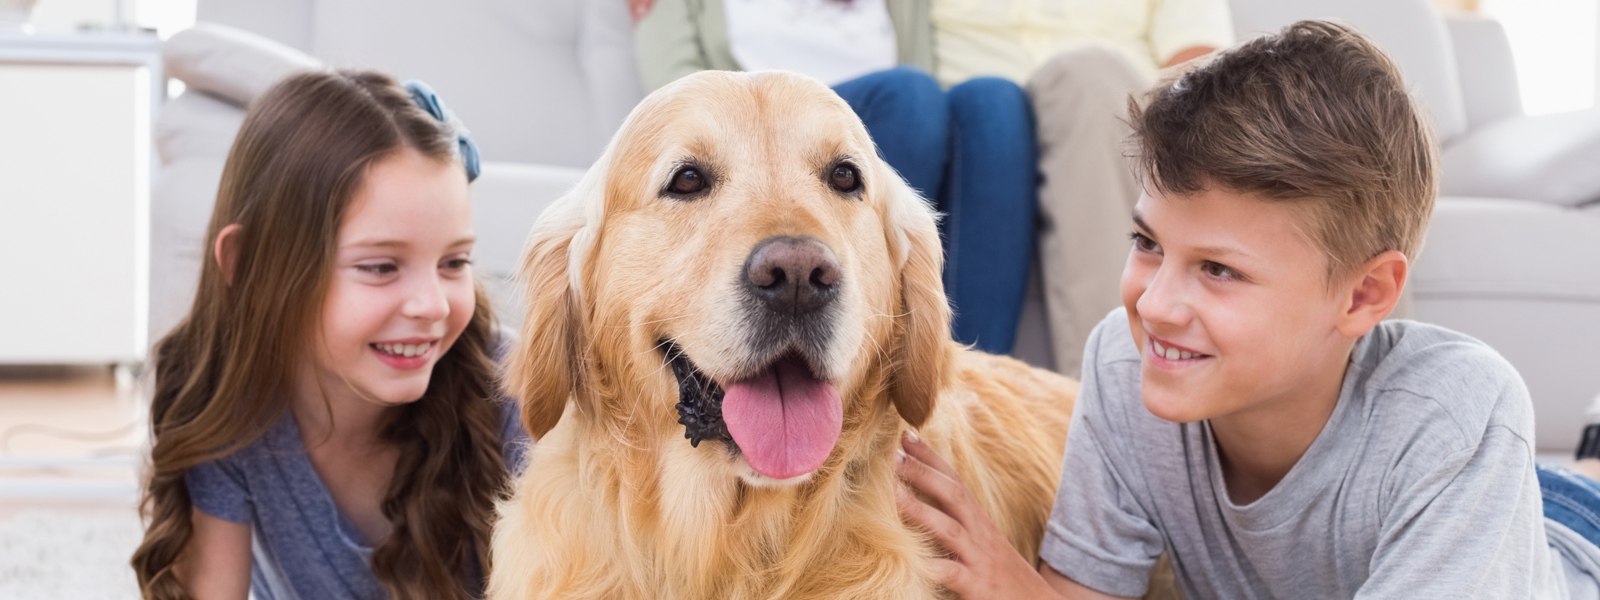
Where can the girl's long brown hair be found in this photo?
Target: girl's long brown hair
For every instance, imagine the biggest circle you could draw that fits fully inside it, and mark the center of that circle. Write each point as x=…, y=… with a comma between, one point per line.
x=222, y=375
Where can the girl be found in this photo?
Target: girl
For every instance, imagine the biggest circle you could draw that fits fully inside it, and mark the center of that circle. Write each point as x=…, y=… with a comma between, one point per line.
x=323, y=420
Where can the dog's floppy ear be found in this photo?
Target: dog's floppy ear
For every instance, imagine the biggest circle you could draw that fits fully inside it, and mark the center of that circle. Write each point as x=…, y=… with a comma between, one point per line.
x=547, y=363
x=920, y=368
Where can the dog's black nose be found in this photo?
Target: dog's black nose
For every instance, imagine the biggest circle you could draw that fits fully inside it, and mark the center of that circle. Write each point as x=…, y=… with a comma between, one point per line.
x=792, y=275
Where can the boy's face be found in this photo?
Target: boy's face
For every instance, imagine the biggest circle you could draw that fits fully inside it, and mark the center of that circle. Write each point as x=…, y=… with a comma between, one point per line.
x=1229, y=304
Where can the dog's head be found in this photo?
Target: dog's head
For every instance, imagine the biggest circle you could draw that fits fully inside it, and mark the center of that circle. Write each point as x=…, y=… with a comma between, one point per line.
x=739, y=266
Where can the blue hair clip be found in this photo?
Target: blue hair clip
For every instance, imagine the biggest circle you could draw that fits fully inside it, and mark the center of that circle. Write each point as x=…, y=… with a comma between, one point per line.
x=426, y=98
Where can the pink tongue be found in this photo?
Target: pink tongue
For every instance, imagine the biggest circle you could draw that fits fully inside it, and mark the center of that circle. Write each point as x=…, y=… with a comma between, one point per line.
x=784, y=420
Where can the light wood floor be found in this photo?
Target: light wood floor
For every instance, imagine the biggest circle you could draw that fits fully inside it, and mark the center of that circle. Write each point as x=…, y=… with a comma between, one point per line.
x=70, y=437
x=72, y=441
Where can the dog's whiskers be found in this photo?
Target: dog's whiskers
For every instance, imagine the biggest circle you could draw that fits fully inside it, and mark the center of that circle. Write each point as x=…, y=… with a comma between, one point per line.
x=665, y=361
x=907, y=313
x=652, y=322
x=876, y=348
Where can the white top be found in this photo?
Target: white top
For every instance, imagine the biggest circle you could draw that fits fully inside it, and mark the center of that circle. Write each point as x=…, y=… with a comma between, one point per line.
x=1013, y=38
x=832, y=40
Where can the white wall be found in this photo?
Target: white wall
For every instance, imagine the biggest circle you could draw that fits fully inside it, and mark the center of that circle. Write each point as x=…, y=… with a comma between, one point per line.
x=64, y=16
x=1554, y=45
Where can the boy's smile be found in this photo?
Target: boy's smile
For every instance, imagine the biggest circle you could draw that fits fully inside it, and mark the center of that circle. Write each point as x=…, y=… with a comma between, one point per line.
x=1166, y=355
x=1230, y=306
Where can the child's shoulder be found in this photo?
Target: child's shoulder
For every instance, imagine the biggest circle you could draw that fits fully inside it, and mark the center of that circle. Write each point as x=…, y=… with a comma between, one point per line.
x=279, y=441
x=1457, y=380
x=1430, y=360
x=1111, y=372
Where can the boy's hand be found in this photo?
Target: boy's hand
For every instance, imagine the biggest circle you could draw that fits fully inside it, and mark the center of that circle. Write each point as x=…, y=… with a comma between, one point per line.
x=982, y=562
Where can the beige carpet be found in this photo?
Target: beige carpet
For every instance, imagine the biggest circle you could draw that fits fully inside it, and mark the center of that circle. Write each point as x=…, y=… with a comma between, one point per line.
x=68, y=553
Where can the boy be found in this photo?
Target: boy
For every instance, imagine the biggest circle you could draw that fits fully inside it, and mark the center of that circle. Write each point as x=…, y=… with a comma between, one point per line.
x=1249, y=412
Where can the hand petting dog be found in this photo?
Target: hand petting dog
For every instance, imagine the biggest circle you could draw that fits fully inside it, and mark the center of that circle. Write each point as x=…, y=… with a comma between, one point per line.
x=982, y=563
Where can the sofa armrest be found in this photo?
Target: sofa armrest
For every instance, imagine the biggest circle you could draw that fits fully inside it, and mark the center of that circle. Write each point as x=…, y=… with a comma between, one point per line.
x=1488, y=74
x=233, y=64
x=1546, y=158
x=506, y=200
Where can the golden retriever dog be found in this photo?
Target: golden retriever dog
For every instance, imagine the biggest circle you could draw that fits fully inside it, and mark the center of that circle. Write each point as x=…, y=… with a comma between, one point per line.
x=731, y=320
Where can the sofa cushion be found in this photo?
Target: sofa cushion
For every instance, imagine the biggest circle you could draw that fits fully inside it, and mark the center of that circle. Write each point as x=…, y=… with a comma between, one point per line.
x=230, y=63
x=1524, y=277
x=538, y=81
x=1488, y=74
x=1484, y=247
x=197, y=124
x=1549, y=158
x=180, y=211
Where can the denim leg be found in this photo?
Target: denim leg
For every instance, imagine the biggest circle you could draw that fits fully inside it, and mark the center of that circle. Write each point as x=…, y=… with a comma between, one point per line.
x=1571, y=500
x=908, y=118
x=990, y=199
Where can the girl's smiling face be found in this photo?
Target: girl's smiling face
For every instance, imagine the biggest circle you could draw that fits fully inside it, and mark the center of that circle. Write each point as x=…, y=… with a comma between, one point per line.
x=402, y=289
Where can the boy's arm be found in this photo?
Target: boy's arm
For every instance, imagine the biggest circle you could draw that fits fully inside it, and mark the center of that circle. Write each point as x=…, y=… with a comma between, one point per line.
x=983, y=564
x=1468, y=527
x=1072, y=590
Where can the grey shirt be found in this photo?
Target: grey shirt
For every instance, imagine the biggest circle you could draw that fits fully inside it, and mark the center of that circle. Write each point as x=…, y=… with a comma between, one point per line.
x=1421, y=485
x=302, y=546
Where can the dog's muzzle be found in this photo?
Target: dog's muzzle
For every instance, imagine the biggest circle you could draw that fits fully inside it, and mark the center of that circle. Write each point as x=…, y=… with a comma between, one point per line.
x=791, y=287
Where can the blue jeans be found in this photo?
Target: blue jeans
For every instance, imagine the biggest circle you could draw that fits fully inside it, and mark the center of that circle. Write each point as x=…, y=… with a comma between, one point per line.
x=1572, y=500
x=972, y=151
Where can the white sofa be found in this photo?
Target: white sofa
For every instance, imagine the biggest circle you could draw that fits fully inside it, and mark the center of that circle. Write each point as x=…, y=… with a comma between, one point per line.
x=1513, y=256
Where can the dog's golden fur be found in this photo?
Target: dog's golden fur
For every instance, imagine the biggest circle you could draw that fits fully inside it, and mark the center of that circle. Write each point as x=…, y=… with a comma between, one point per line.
x=615, y=502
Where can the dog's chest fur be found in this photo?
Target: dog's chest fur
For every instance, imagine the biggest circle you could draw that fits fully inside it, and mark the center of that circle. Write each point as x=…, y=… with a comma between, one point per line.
x=590, y=521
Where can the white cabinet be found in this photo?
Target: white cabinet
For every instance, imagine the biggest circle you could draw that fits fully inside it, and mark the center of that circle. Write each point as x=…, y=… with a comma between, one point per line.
x=75, y=170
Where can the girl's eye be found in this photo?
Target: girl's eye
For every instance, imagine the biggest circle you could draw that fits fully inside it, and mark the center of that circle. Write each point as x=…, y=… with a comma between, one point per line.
x=845, y=178
x=1219, y=271
x=457, y=264
x=1144, y=244
x=688, y=181
x=378, y=268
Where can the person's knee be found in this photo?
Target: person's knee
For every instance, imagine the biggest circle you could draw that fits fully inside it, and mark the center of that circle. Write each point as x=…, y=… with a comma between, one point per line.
x=903, y=88
x=988, y=96
x=910, y=80
x=1088, y=69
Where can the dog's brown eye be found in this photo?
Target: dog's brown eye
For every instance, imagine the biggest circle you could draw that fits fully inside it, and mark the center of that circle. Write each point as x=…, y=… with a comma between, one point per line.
x=845, y=178
x=686, y=181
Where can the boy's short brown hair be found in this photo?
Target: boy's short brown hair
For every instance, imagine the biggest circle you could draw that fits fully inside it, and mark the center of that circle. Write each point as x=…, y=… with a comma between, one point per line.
x=1316, y=115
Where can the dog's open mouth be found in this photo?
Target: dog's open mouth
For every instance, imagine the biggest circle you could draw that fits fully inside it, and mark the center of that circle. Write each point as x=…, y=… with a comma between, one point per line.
x=784, y=419
x=699, y=400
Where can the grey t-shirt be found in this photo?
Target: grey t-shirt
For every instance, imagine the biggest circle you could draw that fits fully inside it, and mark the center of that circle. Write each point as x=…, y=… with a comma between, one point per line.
x=1421, y=485
x=302, y=546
